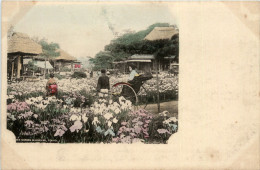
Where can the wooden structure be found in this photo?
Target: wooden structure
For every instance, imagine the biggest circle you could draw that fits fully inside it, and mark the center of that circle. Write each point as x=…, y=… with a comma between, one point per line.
x=64, y=60
x=160, y=33
x=144, y=62
x=20, y=46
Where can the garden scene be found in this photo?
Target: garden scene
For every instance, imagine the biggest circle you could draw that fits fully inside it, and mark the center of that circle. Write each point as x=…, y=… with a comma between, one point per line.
x=125, y=93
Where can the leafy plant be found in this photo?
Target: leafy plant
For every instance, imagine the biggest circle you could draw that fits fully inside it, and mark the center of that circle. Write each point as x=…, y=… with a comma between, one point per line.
x=79, y=75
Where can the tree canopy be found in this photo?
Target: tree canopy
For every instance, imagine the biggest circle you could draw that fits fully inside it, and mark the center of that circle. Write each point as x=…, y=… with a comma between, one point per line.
x=134, y=43
x=49, y=49
x=103, y=59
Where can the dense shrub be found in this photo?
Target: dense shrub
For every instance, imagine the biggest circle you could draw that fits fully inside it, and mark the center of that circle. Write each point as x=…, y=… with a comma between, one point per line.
x=58, y=76
x=79, y=75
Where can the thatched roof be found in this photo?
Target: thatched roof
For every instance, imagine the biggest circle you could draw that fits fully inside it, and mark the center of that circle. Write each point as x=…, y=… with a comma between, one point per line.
x=21, y=43
x=64, y=56
x=161, y=33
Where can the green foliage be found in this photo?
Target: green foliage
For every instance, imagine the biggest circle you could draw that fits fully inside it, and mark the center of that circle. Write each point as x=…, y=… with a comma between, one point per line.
x=65, y=69
x=49, y=49
x=130, y=38
x=102, y=60
x=58, y=76
x=31, y=66
x=79, y=75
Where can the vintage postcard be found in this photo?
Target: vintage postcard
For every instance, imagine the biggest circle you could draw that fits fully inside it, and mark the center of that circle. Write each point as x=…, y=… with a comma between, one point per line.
x=130, y=85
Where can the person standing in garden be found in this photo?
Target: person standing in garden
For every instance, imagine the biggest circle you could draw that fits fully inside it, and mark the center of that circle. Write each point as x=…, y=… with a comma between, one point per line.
x=91, y=74
x=103, y=85
x=51, y=86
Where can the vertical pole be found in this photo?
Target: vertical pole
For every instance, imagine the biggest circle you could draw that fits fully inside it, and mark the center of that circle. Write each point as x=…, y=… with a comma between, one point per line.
x=45, y=68
x=33, y=65
x=157, y=84
x=12, y=70
x=124, y=68
x=18, y=66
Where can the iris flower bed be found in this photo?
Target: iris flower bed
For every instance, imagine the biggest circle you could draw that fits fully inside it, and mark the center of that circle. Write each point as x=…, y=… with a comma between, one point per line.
x=77, y=116
x=168, y=87
x=49, y=119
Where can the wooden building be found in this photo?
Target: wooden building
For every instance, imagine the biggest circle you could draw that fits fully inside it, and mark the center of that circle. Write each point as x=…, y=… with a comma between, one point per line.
x=64, y=60
x=20, y=46
x=161, y=33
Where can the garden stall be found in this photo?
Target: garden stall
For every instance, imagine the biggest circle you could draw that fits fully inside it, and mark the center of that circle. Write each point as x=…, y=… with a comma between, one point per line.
x=20, y=46
x=64, y=60
x=144, y=63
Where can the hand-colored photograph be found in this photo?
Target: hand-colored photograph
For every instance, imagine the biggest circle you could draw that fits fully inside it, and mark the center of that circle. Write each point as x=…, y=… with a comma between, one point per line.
x=93, y=73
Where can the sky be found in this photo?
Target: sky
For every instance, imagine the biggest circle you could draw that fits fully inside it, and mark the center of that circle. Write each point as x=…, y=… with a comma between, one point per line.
x=84, y=29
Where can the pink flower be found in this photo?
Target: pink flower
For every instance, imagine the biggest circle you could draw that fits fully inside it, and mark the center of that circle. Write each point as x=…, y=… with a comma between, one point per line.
x=137, y=129
x=77, y=126
x=124, y=123
x=132, y=134
x=28, y=123
x=59, y=132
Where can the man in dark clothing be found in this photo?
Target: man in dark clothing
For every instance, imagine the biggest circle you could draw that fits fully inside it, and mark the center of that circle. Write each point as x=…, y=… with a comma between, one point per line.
x=103, y=81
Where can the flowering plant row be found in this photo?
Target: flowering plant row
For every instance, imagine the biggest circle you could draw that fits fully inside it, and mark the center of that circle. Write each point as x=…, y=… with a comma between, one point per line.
x=51, y=119
x=168, y=88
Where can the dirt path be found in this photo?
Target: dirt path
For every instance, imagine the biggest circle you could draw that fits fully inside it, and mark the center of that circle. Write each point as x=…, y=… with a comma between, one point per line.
x=171, y=106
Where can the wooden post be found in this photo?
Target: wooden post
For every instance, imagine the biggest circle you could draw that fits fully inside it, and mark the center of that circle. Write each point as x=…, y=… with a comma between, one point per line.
x=33, y=65
x=12, y=70
x=157, y=84
x=45, y=68
x=18, y=66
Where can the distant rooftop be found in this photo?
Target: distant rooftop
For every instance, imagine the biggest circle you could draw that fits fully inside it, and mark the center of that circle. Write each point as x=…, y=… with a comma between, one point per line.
x=159, y=33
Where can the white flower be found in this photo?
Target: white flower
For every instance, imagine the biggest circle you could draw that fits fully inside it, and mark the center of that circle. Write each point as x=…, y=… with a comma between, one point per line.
x=104, y=90
x=84, y=118
x=123, y=106
x=10, y=96
x=122, y=100
x=117, y=110
x=164, y=113
x=109, y=123
x=115, y=120
x=39, y=98
x=108, y=116
x=128, y=103
x=95, y=121
x=74, y=118
x=35, y=116
x=173, y=119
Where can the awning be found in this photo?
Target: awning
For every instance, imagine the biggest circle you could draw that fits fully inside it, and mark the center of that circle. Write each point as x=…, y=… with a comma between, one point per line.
x=41, y=64
x=118, y=62
x=143, y=61
x=26, y=60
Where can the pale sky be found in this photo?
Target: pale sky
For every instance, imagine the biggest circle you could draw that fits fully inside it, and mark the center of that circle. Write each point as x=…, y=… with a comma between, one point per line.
x=84, y=29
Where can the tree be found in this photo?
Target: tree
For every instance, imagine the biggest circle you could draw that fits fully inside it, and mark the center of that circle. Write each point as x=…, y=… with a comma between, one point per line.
x=103, y=59
x=49, y=51
x=131, y=43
